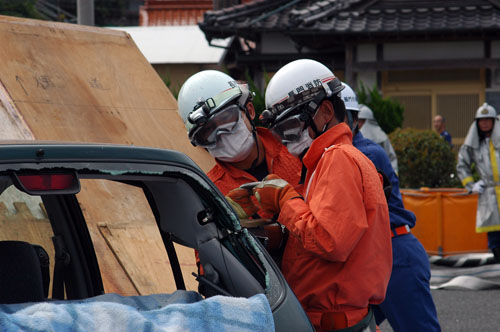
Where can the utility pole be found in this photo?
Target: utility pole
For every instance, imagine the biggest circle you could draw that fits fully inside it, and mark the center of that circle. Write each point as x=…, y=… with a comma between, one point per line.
x=85, y=12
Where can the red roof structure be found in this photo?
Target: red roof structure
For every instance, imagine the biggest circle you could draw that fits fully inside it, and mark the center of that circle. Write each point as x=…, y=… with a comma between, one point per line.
x=178, y=12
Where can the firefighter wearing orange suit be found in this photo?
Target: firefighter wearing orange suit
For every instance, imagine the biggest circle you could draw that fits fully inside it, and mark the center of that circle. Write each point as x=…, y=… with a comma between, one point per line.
x=218, y=113
x=338, y=257
x=242, y=152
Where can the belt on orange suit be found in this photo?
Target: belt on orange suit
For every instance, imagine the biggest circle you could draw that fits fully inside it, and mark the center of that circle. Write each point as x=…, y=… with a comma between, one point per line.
x=401, y=230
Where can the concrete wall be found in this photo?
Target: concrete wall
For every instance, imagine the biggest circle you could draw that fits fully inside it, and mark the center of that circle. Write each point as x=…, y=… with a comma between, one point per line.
x=433, y=50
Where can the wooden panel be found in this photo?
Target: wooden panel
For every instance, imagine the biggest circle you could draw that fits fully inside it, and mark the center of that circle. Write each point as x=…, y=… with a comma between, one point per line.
x=139, y=250
x=76, y=83
x=455, y=94
x=23, y=226
x=65, y=82
x=417, y=111
x=459, y=111
x=12, y=124
x=123, y=218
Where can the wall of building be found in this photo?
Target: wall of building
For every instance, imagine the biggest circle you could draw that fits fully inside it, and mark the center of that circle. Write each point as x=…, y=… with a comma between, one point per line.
x=452, y=92
x=433, y=50
x=493, y=85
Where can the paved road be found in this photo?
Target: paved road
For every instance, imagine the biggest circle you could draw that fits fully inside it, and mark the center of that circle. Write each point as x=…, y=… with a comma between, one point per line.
x=465, y=310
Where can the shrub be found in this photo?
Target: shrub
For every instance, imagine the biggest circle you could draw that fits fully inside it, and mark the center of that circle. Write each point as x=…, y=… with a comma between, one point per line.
x=424, y=159
x=168, y=83
x=387, y=112
x=259, y=101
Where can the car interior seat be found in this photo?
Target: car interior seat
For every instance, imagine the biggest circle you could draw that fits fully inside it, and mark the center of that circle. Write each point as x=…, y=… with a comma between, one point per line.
x=22, y=267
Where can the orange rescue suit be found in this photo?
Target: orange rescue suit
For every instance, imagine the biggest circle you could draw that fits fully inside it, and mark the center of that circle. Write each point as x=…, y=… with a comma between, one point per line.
x=279, y=161
x=338, y=258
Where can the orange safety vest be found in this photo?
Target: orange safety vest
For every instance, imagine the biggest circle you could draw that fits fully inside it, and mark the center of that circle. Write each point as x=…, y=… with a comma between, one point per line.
x=338, y=258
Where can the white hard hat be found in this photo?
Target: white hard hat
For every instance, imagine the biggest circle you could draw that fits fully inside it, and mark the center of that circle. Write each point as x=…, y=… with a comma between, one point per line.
x=486, y=111
x=205, y=85
x=349, y=98
x=297, y=83
x=365, y=113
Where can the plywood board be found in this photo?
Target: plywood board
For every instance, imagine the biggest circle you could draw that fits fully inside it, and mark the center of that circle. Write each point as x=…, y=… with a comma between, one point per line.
x=64, y=82
x=23, y=226
x=75, y=83
x=139, y=250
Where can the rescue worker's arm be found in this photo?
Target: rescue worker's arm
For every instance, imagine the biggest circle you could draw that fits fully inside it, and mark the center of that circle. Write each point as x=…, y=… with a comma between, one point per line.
x=333, y=219
x=464, y=167
x=273, y=192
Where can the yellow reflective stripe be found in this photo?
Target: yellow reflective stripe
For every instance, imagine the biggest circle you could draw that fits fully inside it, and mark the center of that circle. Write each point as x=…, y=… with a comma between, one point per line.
x=494, y=168
x=487, y=229
x=494, y=165
x=467, y=180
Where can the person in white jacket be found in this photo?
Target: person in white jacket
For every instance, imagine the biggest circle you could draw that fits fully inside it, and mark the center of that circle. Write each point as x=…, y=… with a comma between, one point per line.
x=370, y=129
x=482, y=147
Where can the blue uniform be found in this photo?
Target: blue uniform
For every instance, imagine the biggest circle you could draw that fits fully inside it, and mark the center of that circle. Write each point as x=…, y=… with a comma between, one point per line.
x=408, y=305
x=447, y=137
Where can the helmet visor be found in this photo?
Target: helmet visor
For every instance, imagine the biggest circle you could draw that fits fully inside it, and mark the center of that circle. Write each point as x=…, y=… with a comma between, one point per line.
x=290, y=129
x=222, y=122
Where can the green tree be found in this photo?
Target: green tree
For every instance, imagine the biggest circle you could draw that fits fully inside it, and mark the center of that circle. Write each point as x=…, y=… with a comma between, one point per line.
x=259, y=100
x=387, y=112
x=19, y=8
x=168, y=82
x=424, y=159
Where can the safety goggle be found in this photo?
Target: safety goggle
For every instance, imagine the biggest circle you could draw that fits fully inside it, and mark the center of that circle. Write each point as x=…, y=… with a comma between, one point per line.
x=222, y=122
x=290, y=129
x=205, y=108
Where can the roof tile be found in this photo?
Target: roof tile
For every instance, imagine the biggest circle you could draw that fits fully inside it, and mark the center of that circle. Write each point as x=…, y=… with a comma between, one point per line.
x=355, y=16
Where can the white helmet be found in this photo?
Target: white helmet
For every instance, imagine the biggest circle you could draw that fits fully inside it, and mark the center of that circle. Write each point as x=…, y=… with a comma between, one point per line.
x=365, y=113
x=349, y=98
x=298, y=83
x=486, y=111
x=212, y=87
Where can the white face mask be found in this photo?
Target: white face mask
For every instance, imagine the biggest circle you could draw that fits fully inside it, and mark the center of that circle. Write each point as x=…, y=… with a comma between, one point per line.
x=235, y=146
x=304, y=142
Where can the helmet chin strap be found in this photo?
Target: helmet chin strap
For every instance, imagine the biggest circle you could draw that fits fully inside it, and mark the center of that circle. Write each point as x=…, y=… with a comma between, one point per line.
x=350, y=120
x=254, y=134
x=256, y=160
x=355, y=130
x=310, y=123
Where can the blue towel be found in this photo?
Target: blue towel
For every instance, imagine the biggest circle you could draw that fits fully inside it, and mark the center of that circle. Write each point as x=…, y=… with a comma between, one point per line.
x=104, y=313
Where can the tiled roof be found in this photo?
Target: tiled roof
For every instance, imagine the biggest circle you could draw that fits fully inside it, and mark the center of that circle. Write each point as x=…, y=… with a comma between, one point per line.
x=355, y=17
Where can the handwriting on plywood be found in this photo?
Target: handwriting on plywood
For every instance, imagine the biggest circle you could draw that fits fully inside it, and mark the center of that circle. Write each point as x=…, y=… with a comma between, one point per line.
x=44, y=82
x=20, y=81
x=96, y=84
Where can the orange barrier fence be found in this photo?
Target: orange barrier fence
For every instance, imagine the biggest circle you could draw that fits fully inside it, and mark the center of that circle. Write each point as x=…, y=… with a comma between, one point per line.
x=446, y=220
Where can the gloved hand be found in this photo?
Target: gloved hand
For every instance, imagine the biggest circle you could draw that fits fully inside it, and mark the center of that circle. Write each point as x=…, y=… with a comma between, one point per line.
x=478, y=187
x=273, y=192
x=241, y=201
